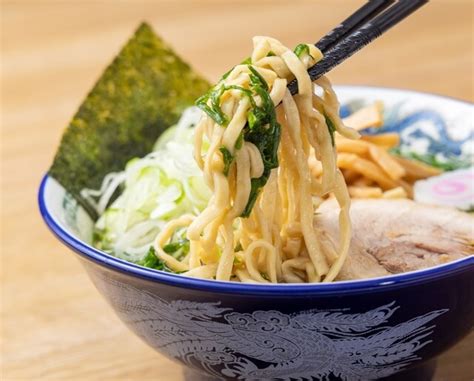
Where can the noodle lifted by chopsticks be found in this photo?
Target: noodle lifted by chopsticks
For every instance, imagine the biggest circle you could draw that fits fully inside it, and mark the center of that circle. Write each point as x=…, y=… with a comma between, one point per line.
x=258, y=225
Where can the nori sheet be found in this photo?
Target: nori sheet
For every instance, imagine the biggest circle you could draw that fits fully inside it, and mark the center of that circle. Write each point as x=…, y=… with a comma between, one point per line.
x=141, y=93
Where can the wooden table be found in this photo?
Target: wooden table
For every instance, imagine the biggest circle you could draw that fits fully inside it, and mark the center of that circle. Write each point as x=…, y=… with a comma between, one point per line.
x=54, y=323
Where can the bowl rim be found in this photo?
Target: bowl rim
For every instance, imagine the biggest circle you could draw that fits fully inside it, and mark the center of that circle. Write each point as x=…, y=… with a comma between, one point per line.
x=401, y=90
x=343, y=287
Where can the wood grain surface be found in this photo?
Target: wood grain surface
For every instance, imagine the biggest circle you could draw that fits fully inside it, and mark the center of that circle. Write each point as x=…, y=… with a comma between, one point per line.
x=55, y=326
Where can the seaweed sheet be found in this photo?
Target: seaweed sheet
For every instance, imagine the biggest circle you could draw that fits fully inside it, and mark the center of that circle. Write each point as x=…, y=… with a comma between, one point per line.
x=141, y=93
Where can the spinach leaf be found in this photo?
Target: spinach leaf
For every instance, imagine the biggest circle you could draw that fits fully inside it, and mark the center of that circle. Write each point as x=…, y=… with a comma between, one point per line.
x=246, y=92
x=180, y=247
x=214, y=111
x=302, y=49
x=214, y=95
x=246, y=61
x=261, y=129
x=153, y=262
x=255, y=187
x=256, y=78
x=228, y=159
x=331, y=128
x=240, y=141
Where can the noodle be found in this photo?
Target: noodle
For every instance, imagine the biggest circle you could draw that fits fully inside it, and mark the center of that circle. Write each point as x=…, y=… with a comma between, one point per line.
x=258, y=224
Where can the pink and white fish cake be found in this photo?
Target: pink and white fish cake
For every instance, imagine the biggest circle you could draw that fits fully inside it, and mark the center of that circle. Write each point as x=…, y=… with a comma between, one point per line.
x=455, y=188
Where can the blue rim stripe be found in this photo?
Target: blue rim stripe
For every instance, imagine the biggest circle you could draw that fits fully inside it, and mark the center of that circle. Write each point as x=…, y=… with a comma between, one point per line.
x=343, y=287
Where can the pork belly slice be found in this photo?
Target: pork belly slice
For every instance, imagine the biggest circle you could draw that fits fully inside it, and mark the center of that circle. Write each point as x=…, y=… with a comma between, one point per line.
x=396, y=236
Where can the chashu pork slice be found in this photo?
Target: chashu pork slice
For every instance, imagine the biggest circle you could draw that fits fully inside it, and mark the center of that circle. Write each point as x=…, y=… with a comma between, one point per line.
x=396, y=236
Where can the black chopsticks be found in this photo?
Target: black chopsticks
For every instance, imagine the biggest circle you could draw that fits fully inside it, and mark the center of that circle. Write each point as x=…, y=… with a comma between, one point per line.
x=360, y=29
x=364, y=14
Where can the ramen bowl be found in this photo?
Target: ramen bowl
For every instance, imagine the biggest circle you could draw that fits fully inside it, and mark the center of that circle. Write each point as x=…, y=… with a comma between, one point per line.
x=392, y=327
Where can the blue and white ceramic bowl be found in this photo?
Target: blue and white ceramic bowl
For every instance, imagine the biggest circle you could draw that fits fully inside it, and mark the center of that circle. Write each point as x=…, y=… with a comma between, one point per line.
x=353, y=330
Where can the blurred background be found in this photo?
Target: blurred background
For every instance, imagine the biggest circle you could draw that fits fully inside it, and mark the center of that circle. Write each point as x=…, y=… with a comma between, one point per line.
x=54, y=324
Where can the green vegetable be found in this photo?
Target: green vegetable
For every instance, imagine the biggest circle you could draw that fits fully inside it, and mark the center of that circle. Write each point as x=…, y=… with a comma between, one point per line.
x=157, y=188
x=99, y=239
x=256, y=79
x=237, y=262
x=177, y=249
x=331, y=128
x=246, y=61
x=153, y=262
x=214, y=110
x=226, y=74
x=251, y=119
x=262, y=128
x=302, y=49
x=240, y=141
x=255, y=186
x=228, y=159
x=264, y=132
x=142, y=92
x=246, y=92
